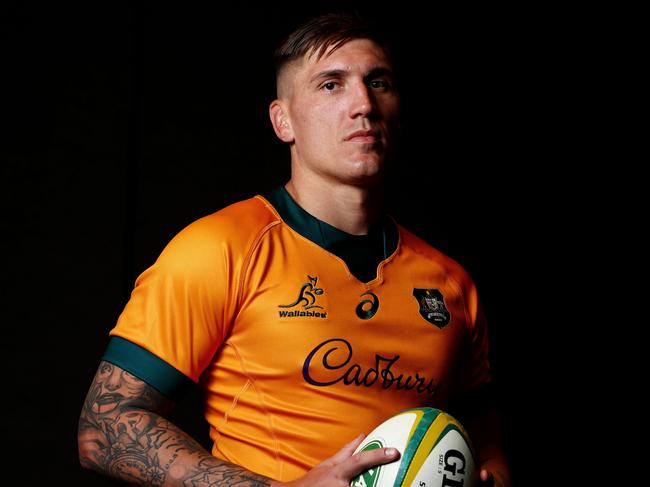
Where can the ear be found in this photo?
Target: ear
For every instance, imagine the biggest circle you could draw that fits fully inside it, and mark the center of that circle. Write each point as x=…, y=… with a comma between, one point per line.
x=280, y=121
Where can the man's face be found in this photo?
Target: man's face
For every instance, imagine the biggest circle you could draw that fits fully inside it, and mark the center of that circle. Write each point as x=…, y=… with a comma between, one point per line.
x=343, y=111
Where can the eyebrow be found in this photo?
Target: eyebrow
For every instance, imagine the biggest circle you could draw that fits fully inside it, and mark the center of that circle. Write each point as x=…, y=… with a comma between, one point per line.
x=330, y=73
x=379, y=71
x=341, y=73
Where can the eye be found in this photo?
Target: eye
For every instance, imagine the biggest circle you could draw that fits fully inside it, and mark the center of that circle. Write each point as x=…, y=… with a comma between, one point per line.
x=330, y=85
x=379, y=84
x=106, y=368
x=129, y=377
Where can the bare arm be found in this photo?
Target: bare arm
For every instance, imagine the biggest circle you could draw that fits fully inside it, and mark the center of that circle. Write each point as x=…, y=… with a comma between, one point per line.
x=485, y=433
x=123, y=434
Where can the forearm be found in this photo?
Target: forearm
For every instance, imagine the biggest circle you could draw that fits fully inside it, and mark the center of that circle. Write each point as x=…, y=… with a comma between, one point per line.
x=124, y=434
x=141, y=447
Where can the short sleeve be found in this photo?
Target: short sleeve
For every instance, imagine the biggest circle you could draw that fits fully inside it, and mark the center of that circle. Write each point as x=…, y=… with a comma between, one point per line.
x=475, y=369
x=182, y=306
x=474, y=391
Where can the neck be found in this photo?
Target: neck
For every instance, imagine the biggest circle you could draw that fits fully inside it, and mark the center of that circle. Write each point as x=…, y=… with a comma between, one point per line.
x=349, y=208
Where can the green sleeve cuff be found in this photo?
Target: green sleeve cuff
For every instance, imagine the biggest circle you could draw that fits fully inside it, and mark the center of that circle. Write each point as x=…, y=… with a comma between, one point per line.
x=147, y=367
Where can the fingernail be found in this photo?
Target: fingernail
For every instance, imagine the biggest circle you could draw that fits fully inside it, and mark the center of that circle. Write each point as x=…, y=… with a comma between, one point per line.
x=390, y=452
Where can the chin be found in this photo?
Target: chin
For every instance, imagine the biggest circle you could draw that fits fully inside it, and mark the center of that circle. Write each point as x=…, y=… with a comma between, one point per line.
x=368, y=165
x=366, y=175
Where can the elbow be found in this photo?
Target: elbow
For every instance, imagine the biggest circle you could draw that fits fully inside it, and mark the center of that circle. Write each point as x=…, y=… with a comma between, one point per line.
x=84, y=457
x=89, y=446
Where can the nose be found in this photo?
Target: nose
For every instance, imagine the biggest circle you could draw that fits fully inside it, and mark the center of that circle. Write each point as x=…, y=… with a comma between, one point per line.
x=114, y=381
x=363, y=103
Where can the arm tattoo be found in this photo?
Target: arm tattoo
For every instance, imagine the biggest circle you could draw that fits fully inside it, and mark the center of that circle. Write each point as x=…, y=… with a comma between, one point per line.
x=122, y=434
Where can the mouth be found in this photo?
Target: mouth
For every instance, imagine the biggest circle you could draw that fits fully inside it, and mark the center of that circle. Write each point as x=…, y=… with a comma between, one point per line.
x=109, y=399
x=364, y=137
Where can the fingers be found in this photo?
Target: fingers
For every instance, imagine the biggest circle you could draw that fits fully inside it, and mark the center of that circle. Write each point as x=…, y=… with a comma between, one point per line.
x=346, y=451
x=362, y=461
x=341, y=468
x=486, y=478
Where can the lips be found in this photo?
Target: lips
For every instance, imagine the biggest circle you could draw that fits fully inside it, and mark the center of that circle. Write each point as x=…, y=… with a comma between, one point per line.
x=109, y=399
x=364, y=136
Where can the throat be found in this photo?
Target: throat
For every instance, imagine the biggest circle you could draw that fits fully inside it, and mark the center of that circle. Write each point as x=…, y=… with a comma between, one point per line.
x=362, y=254
x=349, y=209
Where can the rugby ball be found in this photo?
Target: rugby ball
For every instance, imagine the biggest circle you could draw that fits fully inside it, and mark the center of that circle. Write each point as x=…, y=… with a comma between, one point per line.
x=435, y=452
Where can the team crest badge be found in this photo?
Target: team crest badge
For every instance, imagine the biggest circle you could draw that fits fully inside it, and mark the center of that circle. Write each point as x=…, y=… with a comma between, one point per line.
x=432, y=306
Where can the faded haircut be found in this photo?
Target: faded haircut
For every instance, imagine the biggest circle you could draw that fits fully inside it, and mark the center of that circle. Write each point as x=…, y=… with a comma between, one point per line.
x=319, y=34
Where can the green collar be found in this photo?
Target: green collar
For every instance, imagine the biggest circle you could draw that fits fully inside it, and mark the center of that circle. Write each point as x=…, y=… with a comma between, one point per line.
x=361, y=253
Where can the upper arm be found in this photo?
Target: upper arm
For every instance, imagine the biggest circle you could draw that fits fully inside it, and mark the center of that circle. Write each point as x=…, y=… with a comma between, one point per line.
x=114, y=393
x=114, y=389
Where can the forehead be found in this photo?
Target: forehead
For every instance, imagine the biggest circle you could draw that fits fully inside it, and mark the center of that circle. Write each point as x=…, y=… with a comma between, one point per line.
x=357, y=55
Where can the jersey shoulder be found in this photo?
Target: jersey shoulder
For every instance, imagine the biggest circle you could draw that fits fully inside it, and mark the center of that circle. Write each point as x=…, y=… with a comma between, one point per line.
x=230, y=230
x=438, y=263
x=412, y=243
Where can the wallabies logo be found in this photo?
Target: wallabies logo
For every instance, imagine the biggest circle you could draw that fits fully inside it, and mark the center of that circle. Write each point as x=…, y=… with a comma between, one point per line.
x=306, y=298
x=307, y=295
x=432, y=306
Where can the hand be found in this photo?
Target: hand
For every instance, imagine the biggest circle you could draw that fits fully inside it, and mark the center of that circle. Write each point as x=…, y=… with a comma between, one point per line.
x=341, y=468
x=486, y=479
x=489, y=479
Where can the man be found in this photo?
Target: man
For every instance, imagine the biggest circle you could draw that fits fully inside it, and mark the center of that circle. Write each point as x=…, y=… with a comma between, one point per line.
x=307, y=315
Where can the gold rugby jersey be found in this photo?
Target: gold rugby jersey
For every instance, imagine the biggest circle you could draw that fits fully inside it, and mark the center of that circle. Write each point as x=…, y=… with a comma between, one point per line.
x=295, y=354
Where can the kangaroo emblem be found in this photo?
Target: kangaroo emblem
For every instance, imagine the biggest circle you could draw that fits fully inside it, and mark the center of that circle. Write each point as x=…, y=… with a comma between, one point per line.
x=307, y=295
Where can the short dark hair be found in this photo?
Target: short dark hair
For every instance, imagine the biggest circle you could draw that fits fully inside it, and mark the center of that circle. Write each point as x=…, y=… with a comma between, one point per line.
x=324, y=32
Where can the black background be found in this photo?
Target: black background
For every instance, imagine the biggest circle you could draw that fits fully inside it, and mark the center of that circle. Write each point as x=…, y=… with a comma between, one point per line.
x=127, y=121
